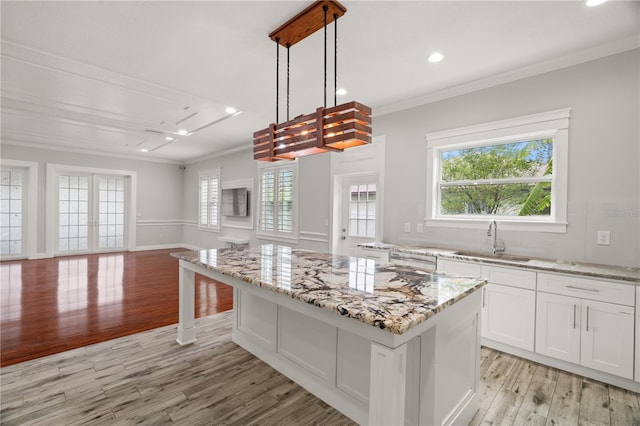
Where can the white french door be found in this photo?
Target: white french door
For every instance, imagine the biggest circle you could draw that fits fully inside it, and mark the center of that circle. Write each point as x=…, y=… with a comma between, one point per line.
x=91, y=212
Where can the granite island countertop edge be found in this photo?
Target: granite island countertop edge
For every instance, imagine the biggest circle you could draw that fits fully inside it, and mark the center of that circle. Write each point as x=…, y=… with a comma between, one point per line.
x=378, y=310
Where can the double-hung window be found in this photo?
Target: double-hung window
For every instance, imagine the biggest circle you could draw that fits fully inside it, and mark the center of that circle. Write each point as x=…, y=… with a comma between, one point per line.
x=209, y=199
x=514, y=171
x=277, y=202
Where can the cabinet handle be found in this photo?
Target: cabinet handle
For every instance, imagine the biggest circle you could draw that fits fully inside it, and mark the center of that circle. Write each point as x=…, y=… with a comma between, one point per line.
x=595, y=290
x=483, y=303
x=574, y=315
x=587, y=318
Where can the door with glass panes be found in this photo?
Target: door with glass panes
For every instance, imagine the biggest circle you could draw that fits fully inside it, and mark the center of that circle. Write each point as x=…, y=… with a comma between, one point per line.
x=12, y=213
x=359, y=206
x=91, y=213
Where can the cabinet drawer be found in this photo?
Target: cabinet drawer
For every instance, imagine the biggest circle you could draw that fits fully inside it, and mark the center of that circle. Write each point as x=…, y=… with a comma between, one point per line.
x=461, y=268
x=508, y=276
x=379, y=255
x=585, y=288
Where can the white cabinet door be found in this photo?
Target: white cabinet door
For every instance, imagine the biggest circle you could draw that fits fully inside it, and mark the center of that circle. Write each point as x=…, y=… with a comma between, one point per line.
x=508, y=315
x=558, y=327
x=637, y=334
x=607, y=338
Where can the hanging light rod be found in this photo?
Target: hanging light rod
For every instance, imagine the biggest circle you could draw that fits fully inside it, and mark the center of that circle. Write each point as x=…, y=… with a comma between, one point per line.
x=307, y=22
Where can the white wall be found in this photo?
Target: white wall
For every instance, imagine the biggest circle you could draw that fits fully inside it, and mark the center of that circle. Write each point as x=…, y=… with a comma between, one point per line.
x=159, y=192
x=604, y=179
x=313, y=189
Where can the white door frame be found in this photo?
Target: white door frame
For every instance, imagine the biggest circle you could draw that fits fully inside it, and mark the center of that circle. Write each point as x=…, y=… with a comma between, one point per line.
x=53, y=170
x=30, y=224
x=363, y=160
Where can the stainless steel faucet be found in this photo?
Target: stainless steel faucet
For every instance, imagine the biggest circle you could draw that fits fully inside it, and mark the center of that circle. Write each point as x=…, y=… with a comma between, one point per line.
x=495, y=248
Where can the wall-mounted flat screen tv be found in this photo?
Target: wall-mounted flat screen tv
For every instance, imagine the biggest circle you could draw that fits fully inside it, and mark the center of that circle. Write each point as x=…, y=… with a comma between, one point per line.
x=235, y=202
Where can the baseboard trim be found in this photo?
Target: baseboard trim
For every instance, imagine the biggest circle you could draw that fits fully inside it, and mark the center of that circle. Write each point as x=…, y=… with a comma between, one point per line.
x=164, y=247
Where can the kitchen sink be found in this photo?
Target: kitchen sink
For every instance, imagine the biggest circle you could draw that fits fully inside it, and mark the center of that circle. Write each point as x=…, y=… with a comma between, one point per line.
x=501, y=256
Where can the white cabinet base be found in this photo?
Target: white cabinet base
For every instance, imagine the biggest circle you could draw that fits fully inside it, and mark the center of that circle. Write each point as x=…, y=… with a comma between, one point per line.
x=429, y=375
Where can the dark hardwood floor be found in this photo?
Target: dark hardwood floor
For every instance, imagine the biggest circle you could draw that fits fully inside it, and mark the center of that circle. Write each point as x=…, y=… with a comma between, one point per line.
x=53, y=305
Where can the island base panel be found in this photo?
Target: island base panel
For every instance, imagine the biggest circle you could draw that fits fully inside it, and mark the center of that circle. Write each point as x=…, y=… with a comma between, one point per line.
x=431, y=379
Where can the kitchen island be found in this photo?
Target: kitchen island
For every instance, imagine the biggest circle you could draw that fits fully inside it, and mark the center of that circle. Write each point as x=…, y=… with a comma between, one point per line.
x=384, y=344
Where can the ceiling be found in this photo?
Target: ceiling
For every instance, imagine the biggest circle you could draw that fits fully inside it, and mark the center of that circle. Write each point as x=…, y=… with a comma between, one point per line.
x=114, y=78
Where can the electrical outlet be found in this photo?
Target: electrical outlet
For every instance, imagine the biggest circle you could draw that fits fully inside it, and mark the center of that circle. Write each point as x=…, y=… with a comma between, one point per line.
x=419, y=228
x=604, y=238
x=407, y=227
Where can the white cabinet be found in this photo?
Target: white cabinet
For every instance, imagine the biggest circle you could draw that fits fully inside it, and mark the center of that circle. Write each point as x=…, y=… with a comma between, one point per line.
x=381, y=256
x=558, y=327
x=607, y=338
x=595, y=334
x=508, y=302
x=458, y=267
x=637, y=334
x=508, y=315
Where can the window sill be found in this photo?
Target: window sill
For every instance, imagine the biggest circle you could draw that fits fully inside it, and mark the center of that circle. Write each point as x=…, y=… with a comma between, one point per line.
x=503, y=224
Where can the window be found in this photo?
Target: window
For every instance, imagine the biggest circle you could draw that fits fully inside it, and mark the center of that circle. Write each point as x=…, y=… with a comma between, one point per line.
x=209, y=199
x=11, y=214
x=277, y=201
x=514, y=171
x=362, y=210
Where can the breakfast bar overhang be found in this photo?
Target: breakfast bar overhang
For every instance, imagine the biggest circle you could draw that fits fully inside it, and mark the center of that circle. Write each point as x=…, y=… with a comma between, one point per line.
x=384, y=344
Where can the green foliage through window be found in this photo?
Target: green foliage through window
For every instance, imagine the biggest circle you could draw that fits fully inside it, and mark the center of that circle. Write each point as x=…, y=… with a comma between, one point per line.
x=509, y=179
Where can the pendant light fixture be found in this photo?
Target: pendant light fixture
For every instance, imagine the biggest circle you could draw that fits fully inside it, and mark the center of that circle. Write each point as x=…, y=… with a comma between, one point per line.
x=327, y=129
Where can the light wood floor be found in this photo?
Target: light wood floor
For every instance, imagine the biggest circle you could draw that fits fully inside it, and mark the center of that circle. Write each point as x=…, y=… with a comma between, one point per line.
x=147, y=378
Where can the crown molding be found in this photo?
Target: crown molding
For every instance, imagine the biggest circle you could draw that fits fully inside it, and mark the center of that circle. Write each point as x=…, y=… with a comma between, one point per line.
x=577, y=58
x=86, y=151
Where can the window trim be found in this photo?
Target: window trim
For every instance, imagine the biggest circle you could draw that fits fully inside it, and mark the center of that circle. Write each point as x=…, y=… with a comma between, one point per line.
x=209, y=174
x=548, y=124
x=275, y=235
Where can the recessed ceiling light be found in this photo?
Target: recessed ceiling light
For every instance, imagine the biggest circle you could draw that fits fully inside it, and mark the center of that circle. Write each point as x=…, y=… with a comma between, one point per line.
x=341, y=92
x=436, y=57
x=143, y=150
x=230, y=110
x=169, y=138
x=592, y=3
x=183, y=132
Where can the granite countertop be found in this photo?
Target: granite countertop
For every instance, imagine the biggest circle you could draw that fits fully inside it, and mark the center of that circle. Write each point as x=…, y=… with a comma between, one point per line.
x=391, y=297
x=621, y=273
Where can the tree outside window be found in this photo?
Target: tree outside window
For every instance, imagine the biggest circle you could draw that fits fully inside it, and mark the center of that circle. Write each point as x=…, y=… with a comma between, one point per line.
x=507, y=179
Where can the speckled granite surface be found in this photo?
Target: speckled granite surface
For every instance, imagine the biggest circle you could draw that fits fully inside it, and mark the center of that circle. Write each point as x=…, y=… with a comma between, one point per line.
x=391, y=297
x=622, y=273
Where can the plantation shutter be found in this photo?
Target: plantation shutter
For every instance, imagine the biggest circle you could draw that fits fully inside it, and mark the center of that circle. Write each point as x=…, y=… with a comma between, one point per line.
x=285, y=200
x=213, y=201
x=208, y=199
x=204, y=195
x=267, y=202
x=277, y=200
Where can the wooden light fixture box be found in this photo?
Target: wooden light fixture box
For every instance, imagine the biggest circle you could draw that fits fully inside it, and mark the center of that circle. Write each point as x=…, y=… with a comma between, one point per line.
x=328, y=129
